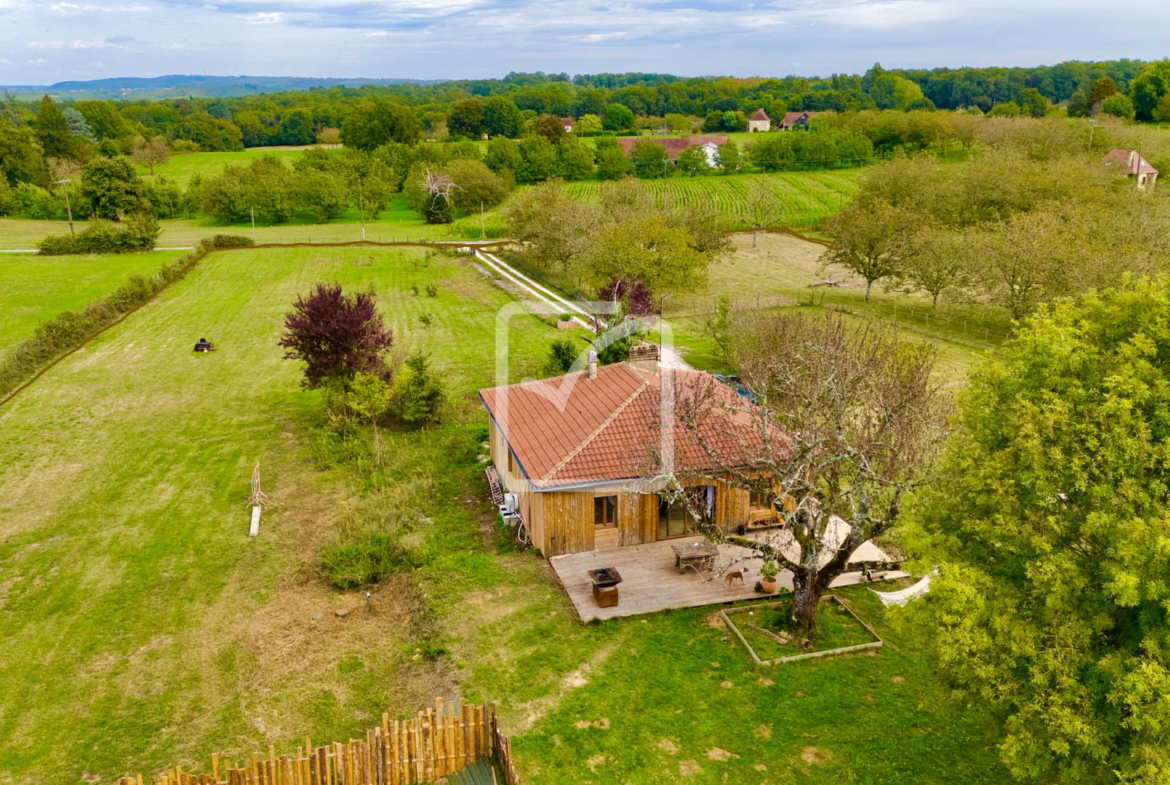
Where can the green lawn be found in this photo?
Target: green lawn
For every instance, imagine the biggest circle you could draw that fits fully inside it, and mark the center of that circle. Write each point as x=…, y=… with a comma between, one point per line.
x=808, y=198
x=179, y=168
x=397, y=222
x=34, y=289
x=672, y=696
x=777, y=272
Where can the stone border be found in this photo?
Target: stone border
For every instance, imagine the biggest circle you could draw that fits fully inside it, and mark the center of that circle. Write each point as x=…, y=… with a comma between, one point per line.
x=876, y=643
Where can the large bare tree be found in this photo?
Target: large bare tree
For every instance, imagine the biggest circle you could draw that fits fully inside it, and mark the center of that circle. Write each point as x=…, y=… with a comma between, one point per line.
x=848, y=418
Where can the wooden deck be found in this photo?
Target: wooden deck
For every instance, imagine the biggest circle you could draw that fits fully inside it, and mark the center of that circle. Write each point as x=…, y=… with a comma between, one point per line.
x=650, y=582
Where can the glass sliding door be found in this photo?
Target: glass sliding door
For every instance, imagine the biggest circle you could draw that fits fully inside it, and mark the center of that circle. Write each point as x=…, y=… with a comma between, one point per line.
x=677, y=519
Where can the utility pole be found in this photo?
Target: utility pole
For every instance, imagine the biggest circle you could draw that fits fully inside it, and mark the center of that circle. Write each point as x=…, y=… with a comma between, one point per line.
x=253, y=209
x=362, y=209
x=482, y=230
x=68, y=209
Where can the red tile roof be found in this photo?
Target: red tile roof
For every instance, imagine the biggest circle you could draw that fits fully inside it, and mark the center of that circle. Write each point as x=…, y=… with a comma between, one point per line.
x=791, y=118
x=673, y=145
x=571, y=429
x=760, y=115
x=1131, y=160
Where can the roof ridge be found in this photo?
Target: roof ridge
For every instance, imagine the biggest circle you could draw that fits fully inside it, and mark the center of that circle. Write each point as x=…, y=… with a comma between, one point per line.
x=597, y=431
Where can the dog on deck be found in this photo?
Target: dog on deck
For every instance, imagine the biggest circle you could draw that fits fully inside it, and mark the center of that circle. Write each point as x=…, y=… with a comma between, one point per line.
x=732, y=575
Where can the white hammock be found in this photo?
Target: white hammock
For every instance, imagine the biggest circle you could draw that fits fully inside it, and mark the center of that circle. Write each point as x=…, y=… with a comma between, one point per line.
x=903, y=596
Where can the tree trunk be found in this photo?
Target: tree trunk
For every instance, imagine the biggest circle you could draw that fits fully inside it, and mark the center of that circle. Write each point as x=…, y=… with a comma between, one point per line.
x=754, y=235
x=868, y=286
x=805, y=599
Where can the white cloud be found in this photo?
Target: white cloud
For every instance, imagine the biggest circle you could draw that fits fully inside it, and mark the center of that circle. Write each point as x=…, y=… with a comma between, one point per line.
x=267, y=18
x=80, y=44
x=36, y=63
x=69, y=9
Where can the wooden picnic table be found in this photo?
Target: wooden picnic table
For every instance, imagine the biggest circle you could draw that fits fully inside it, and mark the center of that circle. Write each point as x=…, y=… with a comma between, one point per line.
x=698, y=556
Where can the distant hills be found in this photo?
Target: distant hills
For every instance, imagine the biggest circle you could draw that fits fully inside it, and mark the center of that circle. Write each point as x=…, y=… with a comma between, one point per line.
x=182, y=86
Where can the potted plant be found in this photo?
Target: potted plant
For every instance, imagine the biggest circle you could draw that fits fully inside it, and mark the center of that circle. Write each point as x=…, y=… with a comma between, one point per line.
x=768, y=573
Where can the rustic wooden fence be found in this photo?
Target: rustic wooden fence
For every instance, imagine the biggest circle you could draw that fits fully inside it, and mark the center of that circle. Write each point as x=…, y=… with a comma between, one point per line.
x=438, y=742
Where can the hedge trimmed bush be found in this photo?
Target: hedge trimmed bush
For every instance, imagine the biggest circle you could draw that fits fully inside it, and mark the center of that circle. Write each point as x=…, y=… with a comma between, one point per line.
x=138, y=233
x=227, y=241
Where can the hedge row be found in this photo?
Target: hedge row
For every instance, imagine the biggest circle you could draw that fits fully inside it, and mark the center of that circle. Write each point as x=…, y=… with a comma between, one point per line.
x=70, y=330
x=139, y=233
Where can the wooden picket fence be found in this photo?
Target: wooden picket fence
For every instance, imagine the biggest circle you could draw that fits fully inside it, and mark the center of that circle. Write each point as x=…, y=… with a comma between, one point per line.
x=439, y=741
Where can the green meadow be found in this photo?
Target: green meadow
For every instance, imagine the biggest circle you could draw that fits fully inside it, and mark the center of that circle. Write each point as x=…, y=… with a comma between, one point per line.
x=34, y=289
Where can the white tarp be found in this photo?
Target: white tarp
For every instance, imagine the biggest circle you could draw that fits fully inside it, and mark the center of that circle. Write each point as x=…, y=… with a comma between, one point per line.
x=904, y=596
x=835, y=534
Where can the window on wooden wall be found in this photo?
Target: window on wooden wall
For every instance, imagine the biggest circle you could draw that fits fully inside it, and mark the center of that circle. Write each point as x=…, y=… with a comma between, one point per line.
x=605, y=511
x=759, y=501
x=511, y=463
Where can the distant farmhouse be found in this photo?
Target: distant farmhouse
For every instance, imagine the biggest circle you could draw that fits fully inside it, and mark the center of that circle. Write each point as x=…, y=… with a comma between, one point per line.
x=1135, y=166
x=710, y=145
x=567, y=122
x=760, y=121
x=796, y=120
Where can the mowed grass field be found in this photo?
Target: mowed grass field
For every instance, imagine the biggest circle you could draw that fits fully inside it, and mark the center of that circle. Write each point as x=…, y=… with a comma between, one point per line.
x=34, y=289
x=181, y=167
x=397, y=222
x=141, y=624
x=808, y=198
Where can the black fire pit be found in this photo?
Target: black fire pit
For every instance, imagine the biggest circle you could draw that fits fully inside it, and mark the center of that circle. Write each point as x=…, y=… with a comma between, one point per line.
x=605, y=581
x=605, y=577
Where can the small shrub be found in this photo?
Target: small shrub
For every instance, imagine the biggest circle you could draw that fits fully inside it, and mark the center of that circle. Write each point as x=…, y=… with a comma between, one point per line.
x=418, y=395
x=561, y=356
x=432, y=290
x=138, y=233
x=414, y=289
x=352, y=565
x=424, y=319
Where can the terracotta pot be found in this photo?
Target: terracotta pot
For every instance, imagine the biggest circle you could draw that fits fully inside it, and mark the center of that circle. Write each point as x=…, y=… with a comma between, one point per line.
x=769, y=586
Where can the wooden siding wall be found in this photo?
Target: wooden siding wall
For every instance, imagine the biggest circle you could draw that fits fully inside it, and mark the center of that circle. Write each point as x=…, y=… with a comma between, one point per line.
x=568, y=522
x=562, y=522
x=528, y=502
x=637, y=518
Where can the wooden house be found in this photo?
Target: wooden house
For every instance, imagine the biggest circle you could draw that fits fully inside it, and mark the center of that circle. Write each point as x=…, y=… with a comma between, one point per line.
x=587, y=453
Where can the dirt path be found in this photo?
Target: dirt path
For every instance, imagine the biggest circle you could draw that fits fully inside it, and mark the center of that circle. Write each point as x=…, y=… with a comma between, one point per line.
x=559, y=303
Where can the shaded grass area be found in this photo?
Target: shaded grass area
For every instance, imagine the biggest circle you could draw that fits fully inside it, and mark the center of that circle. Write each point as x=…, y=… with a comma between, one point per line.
x=136, y=611
x=768, y=629
x=34, y=289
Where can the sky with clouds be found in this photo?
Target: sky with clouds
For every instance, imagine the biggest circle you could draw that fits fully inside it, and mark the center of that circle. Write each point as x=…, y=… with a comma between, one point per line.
x=43, y=41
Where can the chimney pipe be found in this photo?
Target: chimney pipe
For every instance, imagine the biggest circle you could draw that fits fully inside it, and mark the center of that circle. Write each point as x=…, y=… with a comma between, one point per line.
x=592, y=372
